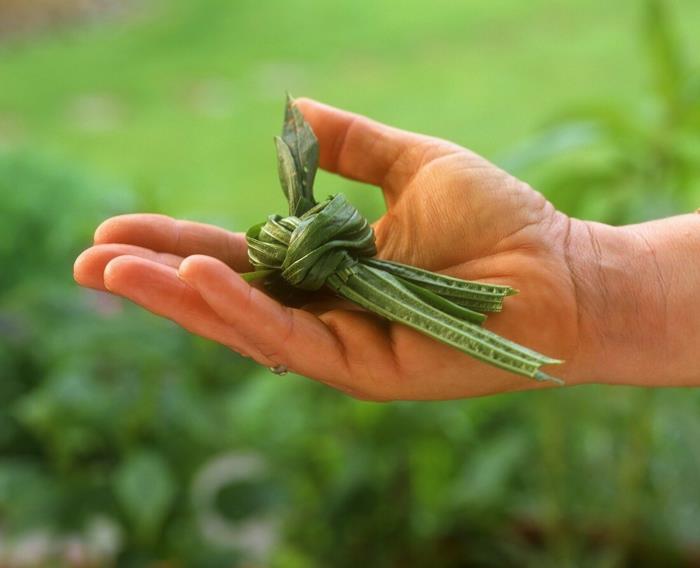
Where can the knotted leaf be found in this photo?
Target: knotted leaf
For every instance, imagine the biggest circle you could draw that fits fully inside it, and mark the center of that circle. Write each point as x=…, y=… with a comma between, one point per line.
x=330, y=245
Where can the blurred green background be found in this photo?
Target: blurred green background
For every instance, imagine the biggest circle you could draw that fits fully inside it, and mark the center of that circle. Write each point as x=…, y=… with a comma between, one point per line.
x=125, y=441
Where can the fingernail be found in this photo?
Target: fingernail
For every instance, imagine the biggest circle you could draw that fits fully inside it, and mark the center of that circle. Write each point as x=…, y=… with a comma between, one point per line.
x=182, y=269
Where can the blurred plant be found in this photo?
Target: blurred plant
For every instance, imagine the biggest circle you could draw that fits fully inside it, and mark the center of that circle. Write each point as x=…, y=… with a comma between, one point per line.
x=622, y=164
x=19, y=17
x=105, y=412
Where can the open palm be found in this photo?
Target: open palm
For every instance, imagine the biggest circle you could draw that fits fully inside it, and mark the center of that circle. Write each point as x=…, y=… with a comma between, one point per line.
x=448, y=210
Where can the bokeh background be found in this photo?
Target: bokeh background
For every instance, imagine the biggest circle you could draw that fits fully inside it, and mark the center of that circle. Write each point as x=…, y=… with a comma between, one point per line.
x=124, y=441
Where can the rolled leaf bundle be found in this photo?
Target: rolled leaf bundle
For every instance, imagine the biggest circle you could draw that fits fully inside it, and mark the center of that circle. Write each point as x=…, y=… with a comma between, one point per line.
x=331, y=245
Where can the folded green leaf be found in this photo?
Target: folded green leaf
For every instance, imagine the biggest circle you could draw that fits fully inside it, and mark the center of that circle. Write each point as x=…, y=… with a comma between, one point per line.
x=474, y=295
x=289, y=180
x=303, y=147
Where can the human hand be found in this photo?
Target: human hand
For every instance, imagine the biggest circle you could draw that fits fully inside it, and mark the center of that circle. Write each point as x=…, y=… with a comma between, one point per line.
x=448, y=210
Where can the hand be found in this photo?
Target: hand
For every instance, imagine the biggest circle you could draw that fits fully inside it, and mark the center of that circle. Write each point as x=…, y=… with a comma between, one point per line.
x=448, y=210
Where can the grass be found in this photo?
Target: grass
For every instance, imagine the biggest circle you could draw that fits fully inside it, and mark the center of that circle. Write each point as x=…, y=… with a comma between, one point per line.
x=181, y=100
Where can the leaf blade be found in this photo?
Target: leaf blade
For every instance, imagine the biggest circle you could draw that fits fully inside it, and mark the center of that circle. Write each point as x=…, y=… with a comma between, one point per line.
x=303, y=146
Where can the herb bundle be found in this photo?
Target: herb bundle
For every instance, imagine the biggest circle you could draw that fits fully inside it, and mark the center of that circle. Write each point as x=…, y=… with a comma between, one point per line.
x=330, y=244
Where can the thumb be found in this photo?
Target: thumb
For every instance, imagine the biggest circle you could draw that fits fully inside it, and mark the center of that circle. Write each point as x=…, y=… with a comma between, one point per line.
x=362, y=149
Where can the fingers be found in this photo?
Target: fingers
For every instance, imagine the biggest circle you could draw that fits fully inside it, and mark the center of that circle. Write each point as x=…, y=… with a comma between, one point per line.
x=89, y=267
x=157, y=288
x=181, y=238
x=359, y=148
x=285, y=336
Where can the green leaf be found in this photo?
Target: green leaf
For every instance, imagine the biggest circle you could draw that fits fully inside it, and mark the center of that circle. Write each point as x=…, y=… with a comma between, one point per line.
x=289, y=179
x=303, y=146
x=145, y=489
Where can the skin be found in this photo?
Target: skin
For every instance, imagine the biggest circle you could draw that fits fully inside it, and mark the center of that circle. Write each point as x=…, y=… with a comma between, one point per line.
x=610, y=301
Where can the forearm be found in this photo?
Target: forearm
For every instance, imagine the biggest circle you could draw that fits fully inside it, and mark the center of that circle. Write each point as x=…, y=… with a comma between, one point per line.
x=638, y=289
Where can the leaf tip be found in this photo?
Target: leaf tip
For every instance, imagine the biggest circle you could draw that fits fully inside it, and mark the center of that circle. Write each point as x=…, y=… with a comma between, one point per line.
x=544, y=377
x=290, y=99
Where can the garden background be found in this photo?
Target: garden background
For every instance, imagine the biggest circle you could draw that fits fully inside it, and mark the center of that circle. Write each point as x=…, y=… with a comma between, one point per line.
x=125, y=441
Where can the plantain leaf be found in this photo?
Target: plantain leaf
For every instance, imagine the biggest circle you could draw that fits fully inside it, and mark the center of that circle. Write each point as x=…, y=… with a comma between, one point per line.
x=303, y=146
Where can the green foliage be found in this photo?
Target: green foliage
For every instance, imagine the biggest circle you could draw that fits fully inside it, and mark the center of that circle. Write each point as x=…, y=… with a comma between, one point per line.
x=97, y=420
x=145, y=488
x=626, y=164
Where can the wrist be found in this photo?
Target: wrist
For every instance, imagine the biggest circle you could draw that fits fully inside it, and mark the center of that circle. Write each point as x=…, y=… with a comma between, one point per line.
x=639, y=323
